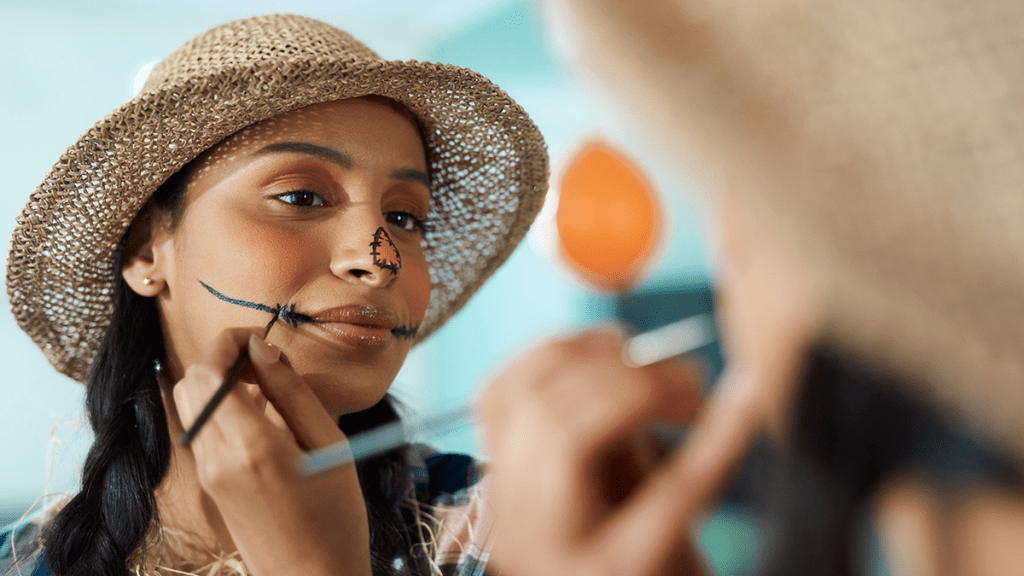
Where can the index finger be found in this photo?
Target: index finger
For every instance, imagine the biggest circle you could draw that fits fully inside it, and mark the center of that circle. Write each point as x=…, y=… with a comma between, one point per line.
x=223, y=362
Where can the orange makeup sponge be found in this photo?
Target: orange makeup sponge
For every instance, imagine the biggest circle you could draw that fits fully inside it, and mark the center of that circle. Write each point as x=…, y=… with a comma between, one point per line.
x=608, y=218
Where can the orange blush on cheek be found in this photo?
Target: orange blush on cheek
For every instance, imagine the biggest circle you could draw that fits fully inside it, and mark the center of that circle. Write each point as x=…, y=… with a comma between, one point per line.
x=272, y=251
x=418, y=290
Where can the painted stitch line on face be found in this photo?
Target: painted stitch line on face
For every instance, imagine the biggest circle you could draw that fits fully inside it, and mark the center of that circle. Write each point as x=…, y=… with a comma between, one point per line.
x=286, y=312
x=293, y=317
x=385, y=253
x=405, y=332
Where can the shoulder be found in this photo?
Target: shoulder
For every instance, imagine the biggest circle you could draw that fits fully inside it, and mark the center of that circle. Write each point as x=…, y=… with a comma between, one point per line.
x=453, y=510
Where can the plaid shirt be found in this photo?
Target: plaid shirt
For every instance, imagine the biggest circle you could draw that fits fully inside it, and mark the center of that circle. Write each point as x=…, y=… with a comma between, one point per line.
x=457, y=522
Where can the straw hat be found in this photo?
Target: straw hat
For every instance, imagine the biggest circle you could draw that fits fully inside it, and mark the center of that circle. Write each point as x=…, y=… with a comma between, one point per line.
x=882, y=141
x=487, y=160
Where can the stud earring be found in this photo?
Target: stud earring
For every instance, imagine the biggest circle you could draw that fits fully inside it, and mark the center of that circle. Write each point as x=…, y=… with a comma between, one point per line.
x=147, y=281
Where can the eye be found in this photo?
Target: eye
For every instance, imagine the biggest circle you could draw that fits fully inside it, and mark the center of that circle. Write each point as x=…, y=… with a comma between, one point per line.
x=404, y=221
x=302, y=198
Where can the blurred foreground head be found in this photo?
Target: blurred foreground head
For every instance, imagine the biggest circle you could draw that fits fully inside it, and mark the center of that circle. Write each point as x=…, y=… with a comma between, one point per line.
x=879, y=142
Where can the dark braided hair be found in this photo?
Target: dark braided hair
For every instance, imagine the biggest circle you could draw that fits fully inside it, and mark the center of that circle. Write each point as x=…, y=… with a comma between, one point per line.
x=99, y=530
x=108, y=520
x=853, y=427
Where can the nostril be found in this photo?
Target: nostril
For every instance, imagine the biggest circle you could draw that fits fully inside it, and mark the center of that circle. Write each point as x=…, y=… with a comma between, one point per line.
x=359, y=273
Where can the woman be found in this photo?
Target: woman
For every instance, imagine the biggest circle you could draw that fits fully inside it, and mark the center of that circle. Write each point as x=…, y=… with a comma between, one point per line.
x=869, y=162
x=276, y=188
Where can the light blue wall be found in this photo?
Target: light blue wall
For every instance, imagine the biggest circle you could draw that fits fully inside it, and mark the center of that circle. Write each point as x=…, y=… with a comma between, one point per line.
x=64, y=66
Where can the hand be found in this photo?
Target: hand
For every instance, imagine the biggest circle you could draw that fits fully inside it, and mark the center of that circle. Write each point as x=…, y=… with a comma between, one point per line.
x=580, y=488
x=245, y=455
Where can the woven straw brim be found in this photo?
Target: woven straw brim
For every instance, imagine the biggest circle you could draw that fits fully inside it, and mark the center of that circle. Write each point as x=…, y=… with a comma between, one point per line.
x=881, y=142
x=487, y=161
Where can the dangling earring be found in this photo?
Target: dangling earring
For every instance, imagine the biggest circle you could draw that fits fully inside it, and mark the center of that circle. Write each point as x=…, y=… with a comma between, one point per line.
x=147, y=281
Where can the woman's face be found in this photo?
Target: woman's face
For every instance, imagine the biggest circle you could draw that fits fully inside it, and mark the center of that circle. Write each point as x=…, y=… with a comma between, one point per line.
x=321, y=208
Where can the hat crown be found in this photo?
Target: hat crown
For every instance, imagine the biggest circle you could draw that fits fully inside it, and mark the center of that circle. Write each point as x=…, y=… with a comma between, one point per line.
x=263, y=42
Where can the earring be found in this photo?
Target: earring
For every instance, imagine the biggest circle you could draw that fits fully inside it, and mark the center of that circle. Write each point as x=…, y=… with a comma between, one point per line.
x=147, y=281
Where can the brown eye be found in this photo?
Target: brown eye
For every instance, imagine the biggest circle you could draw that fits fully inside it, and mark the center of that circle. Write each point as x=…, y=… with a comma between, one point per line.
x=404, y=221
x=302, y=198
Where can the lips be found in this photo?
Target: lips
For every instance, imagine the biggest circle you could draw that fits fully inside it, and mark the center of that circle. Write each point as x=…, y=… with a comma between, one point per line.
x=357, y=326
x=368, y=316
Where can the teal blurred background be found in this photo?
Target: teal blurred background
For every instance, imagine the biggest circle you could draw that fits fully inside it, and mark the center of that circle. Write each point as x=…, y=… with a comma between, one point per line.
x=64, y=65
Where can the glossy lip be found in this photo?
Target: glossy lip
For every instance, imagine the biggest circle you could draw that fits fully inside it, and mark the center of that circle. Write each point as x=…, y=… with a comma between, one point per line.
x=358, y=326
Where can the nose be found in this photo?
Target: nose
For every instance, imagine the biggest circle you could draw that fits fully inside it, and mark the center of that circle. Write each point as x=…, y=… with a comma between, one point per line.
x=364, y=253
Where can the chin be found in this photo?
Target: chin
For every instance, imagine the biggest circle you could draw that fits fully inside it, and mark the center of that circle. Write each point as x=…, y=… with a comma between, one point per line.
x=345, y=384
x=348, y=396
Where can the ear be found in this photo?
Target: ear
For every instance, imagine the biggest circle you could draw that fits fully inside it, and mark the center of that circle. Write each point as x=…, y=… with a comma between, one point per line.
x=144, y=259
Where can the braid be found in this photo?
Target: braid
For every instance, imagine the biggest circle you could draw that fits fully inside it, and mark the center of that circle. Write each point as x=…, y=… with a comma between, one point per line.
x=103, y=525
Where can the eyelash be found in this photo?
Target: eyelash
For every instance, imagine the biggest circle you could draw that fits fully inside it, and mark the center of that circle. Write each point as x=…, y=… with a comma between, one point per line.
x=414, y=223
x=309, y=193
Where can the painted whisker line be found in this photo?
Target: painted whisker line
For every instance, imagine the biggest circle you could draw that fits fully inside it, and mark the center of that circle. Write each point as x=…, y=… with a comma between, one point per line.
x=286, y=312
x=405, y=332
x=294, y=318
x=239, y=302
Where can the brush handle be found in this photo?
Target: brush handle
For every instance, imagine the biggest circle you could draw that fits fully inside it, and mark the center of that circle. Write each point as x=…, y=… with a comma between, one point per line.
x=670, y=340
x=234, y=373
x=230, y=379
x=383, y=438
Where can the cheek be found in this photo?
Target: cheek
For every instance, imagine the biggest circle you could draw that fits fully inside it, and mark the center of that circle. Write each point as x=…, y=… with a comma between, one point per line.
x=273, y=253
x=417, y=286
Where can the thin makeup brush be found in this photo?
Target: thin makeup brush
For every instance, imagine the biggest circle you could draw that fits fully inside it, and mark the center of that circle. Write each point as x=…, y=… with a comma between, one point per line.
x=230, y=379
x=673, y=339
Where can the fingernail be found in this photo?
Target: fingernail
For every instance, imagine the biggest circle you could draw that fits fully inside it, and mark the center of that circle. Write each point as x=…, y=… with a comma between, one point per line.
x=263, y=352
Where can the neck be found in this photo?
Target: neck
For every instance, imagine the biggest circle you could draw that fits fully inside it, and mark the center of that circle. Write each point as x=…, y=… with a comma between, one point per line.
x=182, y=503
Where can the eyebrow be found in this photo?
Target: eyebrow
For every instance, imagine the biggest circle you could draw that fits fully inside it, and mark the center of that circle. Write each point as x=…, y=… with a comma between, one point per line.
x=411, y=175
x=330, y=154
x=340, y=158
